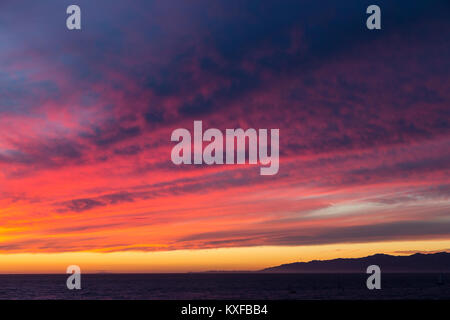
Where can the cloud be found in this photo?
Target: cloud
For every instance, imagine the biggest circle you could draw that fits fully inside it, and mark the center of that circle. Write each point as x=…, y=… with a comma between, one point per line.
x=85, y=129
x=406, y=230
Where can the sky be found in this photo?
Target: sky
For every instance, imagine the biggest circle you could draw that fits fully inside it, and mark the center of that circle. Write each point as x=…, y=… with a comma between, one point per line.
x=86, y=118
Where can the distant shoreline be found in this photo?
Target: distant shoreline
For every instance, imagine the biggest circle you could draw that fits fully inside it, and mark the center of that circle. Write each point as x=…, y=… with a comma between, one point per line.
x=416, y=263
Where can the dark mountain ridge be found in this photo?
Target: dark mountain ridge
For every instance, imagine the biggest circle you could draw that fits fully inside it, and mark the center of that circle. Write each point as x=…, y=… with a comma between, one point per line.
x=416, y=263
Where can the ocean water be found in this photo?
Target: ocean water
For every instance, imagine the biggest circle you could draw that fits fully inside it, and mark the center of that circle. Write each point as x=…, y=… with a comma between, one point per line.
x=226, y=286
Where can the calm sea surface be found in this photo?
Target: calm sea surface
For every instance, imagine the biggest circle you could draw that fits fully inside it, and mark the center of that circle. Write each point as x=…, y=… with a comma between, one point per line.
x=226, y=286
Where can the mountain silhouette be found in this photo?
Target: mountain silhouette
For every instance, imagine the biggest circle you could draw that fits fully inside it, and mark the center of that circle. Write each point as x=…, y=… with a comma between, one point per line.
x=416, y=263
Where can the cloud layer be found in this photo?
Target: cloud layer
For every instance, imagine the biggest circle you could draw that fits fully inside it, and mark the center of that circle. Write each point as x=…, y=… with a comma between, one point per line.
x=86, y=118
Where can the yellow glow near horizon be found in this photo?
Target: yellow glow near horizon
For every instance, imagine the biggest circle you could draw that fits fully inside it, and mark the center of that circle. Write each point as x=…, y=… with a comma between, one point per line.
x=225, y=259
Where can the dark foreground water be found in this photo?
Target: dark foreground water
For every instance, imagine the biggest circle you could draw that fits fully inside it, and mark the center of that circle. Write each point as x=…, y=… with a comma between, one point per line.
x=226, y=286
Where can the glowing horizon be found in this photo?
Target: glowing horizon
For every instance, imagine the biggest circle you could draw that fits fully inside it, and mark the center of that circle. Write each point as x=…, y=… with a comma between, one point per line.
x=204, y=260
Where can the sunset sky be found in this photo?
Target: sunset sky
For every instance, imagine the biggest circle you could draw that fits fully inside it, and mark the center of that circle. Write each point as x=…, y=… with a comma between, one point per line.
x=86, y=118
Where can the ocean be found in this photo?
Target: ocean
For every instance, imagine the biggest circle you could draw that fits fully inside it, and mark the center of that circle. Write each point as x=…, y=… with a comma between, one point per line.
x=235, y=286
